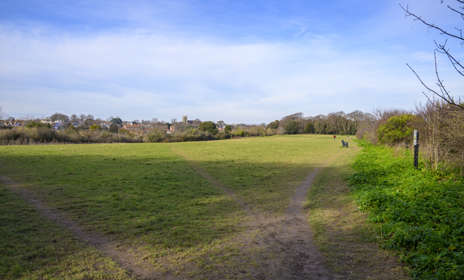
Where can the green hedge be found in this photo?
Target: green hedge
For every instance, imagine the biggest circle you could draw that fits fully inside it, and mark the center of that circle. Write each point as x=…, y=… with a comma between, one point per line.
x=420, y=213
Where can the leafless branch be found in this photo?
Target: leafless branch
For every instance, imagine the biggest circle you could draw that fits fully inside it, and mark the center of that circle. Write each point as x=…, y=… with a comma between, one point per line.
x=431, y=25
x=455, y=10
x=444, y=92
x=444, y=97
x=457, y=65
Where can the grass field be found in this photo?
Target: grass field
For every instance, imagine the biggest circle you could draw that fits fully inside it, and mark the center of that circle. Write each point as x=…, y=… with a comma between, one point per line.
x=150, y=198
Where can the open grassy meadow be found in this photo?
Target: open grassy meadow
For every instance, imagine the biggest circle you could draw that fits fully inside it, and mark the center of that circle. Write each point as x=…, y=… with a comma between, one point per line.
x=179, y=210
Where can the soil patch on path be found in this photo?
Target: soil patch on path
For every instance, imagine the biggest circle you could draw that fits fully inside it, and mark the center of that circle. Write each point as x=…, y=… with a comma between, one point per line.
x=276, y=247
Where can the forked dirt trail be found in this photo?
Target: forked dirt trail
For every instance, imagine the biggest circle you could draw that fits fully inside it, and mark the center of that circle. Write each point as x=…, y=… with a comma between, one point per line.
x=109, y=248
x=280, y=247
x=285, y=249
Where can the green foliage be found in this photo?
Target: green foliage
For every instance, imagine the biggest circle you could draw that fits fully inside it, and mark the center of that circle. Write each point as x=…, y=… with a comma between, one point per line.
x=396, y=130
x=116, y=121
x=95, y=127
x=309, y=128
x=35, y=124
x=156, y=135
x=273, y=125
x=59, y=117
x=209, y=126
x=292, y=127
x=228, y=129
x=419, y=212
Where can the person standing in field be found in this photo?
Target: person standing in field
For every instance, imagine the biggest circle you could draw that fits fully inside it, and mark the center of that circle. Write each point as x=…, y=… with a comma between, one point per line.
x=335, y=137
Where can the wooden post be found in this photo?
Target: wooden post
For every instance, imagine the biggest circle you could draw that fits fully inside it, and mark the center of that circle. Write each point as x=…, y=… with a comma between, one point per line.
x=416, y=148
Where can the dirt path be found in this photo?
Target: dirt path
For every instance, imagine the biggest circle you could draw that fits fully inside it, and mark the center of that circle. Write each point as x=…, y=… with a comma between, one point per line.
x=119, y=254
x=285, y=246
x=281, y=247
x=289, y=249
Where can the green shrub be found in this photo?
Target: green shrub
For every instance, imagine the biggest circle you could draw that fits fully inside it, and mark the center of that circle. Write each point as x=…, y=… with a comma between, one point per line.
x=209, y=126
x=396, y=130
x=420, y=213
x=156, y=136
x=32, y=124
x=292, y=127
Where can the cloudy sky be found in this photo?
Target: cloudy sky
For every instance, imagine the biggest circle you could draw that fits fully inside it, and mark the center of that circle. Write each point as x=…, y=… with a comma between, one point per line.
x=247, y=61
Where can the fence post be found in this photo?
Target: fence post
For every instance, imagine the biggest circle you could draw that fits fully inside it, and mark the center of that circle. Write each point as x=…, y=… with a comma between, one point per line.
x=416, y=148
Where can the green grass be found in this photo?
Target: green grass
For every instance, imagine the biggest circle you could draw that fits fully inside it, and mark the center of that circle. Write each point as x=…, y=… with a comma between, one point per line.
x=34, y=248
x=348, y=243
x=148, y=197
x=140, y=194
x=420, y=213
x=264, y=171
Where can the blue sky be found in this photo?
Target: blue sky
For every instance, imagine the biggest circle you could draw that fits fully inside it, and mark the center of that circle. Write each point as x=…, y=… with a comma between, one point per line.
x=237, y=61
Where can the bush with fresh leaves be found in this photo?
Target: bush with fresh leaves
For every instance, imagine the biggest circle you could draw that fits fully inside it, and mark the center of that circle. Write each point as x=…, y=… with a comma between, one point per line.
x=273, y=125
x=32, y=124
x=209, y=126
x=292, y=127
x=419, y=212
x=396, y=130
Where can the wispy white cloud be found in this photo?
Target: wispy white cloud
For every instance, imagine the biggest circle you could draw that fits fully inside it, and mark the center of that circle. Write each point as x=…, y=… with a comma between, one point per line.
x=139, y=75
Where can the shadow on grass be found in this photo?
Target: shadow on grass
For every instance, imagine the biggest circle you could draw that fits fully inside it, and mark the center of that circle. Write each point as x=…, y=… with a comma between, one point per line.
x=160, y=205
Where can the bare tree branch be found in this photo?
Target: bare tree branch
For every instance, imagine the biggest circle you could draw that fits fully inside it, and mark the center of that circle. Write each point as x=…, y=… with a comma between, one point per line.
x=457, y=65
x=455, y=10
x=445, y=94
x=441, y=48
x=442, y=96
x=442, y=31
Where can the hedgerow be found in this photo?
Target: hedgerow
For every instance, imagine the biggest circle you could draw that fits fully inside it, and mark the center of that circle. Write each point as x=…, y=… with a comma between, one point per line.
x=419, y=212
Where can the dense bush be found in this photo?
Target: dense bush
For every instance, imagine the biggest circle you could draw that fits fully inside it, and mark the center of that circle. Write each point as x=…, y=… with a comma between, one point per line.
x=419, y=212
x=209, y=127
x=397, y=129
x=292, y=127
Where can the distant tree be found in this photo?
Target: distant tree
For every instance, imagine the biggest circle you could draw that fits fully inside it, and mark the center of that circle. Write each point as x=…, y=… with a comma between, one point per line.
x=114, y=128
x=396, y=130
x=156, y=135
x=209, y=126
x=309, y=127
x=184, y=119
x=273, y=125
x=293, y=123
x=228, y=129
x=221, y=124
x=37, y=124
x=94, y=127
x=292, y=127
x=116, y=121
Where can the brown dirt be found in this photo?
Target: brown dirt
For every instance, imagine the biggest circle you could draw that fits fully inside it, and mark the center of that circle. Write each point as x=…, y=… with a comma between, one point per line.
x=284, y=245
